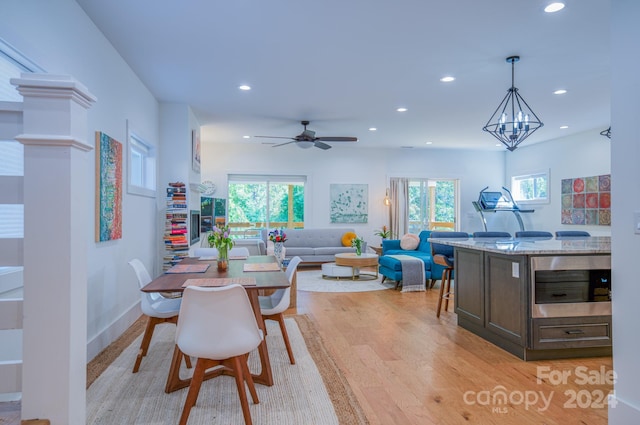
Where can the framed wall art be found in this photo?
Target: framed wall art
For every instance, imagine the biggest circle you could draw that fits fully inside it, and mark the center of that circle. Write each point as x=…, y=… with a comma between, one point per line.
x=108, y=188
x=349, y=203
x=586, y=200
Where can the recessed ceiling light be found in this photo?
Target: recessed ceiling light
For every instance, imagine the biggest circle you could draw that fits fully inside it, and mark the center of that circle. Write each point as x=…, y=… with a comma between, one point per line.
x=561, y=91
x=564, y=126
x=246, y=137
x=447, y=79
x=402, y=109
x=244, y=87
x=372, y=129
x=429, y=143
x=498, y=144
x=554, y=7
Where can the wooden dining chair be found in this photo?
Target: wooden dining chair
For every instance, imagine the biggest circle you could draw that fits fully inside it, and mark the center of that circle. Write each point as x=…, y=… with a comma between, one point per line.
x=218, y=326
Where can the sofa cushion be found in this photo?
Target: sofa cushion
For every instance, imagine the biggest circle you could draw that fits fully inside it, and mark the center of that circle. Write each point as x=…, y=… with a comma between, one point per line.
x=293, y=251
x=409, y=242
x=347, y=238
x=332, y=250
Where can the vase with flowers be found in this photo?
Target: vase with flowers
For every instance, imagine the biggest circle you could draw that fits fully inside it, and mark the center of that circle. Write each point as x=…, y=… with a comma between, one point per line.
x=220, y=239
x=278, y=237
x=384, y=232
x=358, y=244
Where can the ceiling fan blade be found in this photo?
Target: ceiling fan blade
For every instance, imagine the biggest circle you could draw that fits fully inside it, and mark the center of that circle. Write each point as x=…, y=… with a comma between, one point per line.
x=337, y=139
x=282, y=144
x=323, y=146
x=275, y=137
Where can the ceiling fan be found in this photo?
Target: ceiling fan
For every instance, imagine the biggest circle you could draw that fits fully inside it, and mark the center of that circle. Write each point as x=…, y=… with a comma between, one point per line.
x=308, y=138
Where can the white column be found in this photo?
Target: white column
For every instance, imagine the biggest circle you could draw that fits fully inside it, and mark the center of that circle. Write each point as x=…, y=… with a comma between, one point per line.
x=57, y=202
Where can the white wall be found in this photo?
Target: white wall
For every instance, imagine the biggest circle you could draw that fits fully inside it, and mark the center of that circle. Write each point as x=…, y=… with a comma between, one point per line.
x=580, y=155
x=625, y=151
x=58, y=36
x=358, y=165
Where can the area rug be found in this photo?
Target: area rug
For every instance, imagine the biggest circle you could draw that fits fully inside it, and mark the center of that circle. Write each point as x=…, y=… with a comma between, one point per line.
x=313, y=391
x=312, y=281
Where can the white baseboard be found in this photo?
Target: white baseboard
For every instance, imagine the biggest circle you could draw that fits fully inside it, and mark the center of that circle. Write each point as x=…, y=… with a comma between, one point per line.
x=623, y=413
x=113, y=331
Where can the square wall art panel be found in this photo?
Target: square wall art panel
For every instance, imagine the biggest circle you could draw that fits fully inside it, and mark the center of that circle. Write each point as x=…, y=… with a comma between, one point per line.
x=586, y=200
x=349, y=203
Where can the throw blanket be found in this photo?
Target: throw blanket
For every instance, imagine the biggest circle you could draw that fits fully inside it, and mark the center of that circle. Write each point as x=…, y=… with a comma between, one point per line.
x=413, y=278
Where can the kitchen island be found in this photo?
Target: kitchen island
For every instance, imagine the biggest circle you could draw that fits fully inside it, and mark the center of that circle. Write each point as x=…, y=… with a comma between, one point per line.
x=536, y=298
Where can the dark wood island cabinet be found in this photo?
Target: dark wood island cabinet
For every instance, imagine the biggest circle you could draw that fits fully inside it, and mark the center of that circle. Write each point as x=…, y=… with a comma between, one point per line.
x=537, y=299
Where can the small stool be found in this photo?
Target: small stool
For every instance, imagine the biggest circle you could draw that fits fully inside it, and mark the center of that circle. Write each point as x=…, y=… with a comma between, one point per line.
x=333, y=271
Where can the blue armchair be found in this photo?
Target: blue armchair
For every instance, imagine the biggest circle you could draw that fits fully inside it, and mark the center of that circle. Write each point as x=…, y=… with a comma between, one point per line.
x=391, y=268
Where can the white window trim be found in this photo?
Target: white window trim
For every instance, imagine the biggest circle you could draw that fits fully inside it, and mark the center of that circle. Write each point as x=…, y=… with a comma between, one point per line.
x=133, y=140
x=523, y=176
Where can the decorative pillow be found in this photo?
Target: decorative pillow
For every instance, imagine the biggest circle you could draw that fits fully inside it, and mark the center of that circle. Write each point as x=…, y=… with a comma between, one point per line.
x=347, y=237
x=409, y=242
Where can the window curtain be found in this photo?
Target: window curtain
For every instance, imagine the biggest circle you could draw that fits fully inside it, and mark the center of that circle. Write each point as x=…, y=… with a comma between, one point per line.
x=399, y=214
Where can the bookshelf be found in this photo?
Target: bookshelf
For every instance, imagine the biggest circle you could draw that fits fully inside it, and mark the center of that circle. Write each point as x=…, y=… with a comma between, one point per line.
x=176, y=232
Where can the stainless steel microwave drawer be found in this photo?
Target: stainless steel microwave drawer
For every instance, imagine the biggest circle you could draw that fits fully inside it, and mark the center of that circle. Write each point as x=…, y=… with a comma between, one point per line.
x=571, y=332
x=564, y=292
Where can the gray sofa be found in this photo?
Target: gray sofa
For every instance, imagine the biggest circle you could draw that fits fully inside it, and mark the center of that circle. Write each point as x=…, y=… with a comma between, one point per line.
x=313, y=245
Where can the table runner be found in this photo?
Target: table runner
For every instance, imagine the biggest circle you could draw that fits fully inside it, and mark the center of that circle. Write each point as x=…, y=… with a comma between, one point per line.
x=261, y=267
x=188, y=268
x=413, y=277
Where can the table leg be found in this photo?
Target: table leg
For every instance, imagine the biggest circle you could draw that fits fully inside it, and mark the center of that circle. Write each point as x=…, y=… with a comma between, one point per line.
x=265, y=376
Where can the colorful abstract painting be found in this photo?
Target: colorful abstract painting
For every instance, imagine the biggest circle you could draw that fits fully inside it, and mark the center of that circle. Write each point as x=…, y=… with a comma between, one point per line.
x=586, y=200
x=108, y=188
x=349, y=203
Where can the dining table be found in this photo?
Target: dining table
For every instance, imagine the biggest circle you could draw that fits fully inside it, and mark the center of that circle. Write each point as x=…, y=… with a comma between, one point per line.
x=255, y=273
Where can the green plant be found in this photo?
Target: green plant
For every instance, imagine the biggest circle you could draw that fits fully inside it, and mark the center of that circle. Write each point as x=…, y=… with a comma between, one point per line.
x=357, y=243
x=220, y=238
x=384, y=232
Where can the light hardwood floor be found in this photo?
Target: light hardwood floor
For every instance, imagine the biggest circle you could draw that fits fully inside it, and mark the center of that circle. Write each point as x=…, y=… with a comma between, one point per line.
x=408, y=367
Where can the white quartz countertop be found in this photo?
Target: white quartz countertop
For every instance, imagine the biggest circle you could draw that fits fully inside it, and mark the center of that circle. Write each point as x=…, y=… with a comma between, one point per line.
x=533, y=246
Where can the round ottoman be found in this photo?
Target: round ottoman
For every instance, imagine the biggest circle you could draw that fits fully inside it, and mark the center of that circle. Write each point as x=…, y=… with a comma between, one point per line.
x=333, y=271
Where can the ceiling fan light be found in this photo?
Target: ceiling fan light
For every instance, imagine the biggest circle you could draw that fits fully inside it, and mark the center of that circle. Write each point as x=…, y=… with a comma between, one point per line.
x=304, y=144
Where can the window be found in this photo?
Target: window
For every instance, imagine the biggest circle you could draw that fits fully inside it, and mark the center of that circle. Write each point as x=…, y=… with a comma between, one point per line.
x=142, y=167
x=258, y=201
x=432, y=204
x=531, y=188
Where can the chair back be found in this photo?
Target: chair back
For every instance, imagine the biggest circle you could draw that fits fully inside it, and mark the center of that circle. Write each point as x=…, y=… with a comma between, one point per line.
x=292, y=267
x=533, y=234
x=217, y=323
x=147, y=299
x=205, y=252
x=562, y=233
x=491, y=234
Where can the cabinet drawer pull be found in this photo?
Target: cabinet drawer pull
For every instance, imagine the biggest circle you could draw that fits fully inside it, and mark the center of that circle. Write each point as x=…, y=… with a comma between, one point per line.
x=563, y=294
x=574, y=332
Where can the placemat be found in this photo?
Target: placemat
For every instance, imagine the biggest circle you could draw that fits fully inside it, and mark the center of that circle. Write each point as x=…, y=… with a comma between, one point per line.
x=188, y=268
x=261, y=267
x=220, y=281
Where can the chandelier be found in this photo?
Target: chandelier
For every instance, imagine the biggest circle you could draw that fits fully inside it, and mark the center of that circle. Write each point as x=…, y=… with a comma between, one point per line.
x=513, y=120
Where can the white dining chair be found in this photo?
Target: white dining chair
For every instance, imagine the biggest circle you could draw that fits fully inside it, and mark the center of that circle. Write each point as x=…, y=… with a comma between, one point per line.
x=218, y=326
x=157, y=308
x=272, y=306
x=239, y=252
